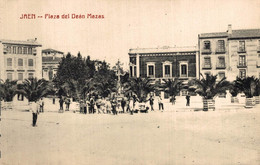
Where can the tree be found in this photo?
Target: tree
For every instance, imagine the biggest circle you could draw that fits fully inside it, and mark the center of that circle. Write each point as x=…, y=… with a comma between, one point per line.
x=208, y=87
x=172, y=87
x=77, y=89
x=141, y=87
x=8, y=90
x=34, y=89
x=247, y=85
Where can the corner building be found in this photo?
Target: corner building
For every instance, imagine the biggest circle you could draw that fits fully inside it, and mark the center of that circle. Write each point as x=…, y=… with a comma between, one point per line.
x=20, y=59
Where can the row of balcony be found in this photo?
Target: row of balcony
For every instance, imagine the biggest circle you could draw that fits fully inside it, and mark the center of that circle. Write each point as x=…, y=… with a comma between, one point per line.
x=5, y=51
x=222, y=51
x=219, y=66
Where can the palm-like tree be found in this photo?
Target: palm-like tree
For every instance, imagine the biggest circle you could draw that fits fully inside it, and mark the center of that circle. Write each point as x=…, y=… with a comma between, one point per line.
x=78, y=89
x=8, y=90
x=141, y=87
x=34, y=89
x=250, y=87
x=247, y=85
x=172, y=87
x=208, y=87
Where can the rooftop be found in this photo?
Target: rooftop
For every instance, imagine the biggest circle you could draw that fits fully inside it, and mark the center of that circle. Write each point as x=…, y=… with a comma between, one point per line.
x=165, y=49
x=52, y=51
x=240, y=33
x=18, y=42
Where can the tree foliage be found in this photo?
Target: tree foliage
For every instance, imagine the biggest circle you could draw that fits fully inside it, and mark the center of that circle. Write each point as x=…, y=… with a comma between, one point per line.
x=248, y=85
x=208, y=87
x=8, y=89
x=33, y=89
x=141, y=87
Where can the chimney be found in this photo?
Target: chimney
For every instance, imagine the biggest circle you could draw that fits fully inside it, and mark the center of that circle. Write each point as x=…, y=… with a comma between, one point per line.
x=229, y=29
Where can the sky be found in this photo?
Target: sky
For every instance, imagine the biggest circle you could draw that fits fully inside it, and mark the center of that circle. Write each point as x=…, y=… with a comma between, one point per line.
x=127, y=23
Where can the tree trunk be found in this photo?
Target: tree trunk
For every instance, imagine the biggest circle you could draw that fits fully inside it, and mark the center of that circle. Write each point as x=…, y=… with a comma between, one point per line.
x=208, y=104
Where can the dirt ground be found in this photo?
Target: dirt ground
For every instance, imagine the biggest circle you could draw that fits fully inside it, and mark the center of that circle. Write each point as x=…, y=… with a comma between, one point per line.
x=221, y=137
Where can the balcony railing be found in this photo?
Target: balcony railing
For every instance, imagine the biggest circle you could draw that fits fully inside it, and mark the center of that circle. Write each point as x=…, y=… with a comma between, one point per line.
x=206, y=51
x=241, y=65
x=220, y=66
x=241, y=50
x=206, y=66
x=220, y=51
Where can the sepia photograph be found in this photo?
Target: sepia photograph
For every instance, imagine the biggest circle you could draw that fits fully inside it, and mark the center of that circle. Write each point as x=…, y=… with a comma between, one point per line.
x=130, y=82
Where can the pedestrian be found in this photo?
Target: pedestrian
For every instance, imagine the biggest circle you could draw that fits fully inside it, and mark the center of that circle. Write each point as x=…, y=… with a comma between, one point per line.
x=91, y=105
x=160, y=103
x=85, y=106
x=151, y=102
x=98, y=104
x=108, y=106
x=35, y=107
x=123, y=103
x=127, y=105
x=53, y=100
x=67, y=102
x=131, y=106
x=187, y=100
x=61, y=104
x=41, y=102
x=114, y=106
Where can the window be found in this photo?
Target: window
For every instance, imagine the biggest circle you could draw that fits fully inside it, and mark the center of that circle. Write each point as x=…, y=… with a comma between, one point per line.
x=150, y=70
x=30, y=62
x=221, y=62
x=20, y=76
x=131, y=71
x=167, y=69
x=9, y=61
x=242, y=60
x=242, y=46
x=20, y=62
x=10, y=76
x=242, y=73
x=207, y=45
x=207, y=62
x=221, y=46
x=14, y=50
x=183, y=70
x=8, y=49
x=221, y=75
x=19, y=50
x=135, y=71
x=24, y=50
x=29, y=50
x=30, y=75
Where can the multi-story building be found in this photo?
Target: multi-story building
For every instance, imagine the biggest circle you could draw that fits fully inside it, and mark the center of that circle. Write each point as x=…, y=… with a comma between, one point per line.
x=20, y=59
x=232, y=53
x=164, y=63
x=50, y=62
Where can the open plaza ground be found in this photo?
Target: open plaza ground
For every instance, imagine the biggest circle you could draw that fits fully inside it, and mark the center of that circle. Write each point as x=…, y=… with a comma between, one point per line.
x=180, y=135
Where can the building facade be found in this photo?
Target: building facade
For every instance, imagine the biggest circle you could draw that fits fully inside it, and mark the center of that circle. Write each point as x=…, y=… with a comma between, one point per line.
x=20, y=60
x=50, y=63
x=230, y=54
x=164, y=63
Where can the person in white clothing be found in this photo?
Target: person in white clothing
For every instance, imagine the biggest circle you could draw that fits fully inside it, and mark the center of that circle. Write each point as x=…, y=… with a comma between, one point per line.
x=35, y=106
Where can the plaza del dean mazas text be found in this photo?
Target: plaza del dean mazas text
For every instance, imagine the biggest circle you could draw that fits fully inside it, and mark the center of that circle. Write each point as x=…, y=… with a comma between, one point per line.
x=62, y=16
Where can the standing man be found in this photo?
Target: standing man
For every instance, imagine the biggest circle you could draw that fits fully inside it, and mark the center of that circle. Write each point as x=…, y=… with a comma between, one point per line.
x=188, y=100
x=61, y=104
x=35, y=111
x=151, y=102
x=123, y=103
x=160, y=103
